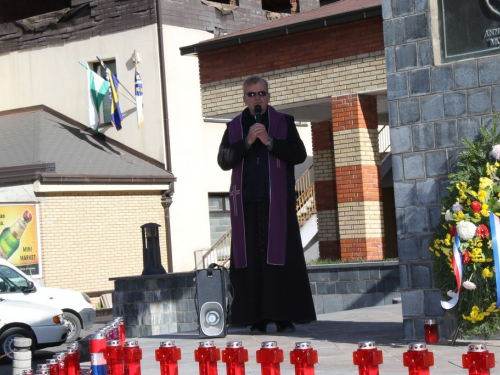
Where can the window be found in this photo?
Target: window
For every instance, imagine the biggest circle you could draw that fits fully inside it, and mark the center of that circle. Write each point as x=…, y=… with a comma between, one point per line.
x=11, y=281
x=220, y=219
x=104, y=111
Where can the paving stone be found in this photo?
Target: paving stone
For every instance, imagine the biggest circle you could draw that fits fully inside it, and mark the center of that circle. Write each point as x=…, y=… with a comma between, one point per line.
x=416, y=219
x=423, y=136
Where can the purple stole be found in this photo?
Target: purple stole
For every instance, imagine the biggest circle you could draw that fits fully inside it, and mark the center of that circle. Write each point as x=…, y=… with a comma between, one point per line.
x=276, y=246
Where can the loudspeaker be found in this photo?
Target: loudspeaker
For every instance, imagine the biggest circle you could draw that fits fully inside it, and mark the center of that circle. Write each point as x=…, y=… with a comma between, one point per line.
x=212, y=300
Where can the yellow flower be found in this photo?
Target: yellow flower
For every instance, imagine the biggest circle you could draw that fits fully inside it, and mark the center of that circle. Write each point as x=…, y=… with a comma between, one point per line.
x=460, y=216
x=477, y=216
x=487, y=272
x=481, y=195
x=485, y=183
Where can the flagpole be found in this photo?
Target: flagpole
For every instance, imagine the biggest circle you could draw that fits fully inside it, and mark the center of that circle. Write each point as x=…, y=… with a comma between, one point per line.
x=132, y=101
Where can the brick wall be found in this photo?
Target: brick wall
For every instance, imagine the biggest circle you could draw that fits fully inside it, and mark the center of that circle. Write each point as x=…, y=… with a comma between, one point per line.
x=297, y=84
x=339, y=43
x=88, y=238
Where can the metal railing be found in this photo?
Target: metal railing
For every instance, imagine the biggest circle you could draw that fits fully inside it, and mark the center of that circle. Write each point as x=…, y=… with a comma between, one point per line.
x=384, y=139
x=220, y=252
x=306, y=199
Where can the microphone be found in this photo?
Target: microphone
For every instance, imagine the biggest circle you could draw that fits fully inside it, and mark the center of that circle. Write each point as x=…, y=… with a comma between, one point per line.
x=258, y=110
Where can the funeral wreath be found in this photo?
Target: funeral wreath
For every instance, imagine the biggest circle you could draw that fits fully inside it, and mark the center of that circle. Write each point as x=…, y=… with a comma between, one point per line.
x=464, y=244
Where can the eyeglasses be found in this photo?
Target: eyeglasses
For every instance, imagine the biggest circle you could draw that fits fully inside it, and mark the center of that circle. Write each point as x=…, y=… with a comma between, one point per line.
x=253, y=94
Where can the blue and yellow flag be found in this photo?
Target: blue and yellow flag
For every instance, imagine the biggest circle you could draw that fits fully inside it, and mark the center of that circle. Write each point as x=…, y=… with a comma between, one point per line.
x=138, y=98
x=116, y=113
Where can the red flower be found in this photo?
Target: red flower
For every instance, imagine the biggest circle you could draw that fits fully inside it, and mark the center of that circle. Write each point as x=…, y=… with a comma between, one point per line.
x=482, y=231
x=466, y=257
x=476, y=207
x=453, y=230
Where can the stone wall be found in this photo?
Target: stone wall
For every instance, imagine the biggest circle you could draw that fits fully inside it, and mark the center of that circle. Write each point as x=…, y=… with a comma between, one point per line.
x=431, y=108
x=161, y=304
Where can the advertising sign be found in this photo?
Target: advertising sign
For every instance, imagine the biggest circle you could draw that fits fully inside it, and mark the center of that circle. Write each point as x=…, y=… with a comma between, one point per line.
x=19, y=237
x=469, y=28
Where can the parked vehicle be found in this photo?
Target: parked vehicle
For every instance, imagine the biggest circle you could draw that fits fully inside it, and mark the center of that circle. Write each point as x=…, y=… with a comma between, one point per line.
x=43, y=324
x=77, y=307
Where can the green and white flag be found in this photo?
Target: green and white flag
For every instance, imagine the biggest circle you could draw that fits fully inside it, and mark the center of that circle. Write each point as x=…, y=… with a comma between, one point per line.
x=99, y=89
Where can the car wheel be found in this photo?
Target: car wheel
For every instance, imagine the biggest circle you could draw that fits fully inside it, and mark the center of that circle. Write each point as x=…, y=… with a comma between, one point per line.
x=75, y=326
x=7, y=340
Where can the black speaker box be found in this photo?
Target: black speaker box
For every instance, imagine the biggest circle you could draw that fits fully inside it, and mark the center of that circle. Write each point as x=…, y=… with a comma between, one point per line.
x=212, y=300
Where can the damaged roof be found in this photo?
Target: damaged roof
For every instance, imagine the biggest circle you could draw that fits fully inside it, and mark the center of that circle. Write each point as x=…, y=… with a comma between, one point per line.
x=39, y=144
x=338, y=12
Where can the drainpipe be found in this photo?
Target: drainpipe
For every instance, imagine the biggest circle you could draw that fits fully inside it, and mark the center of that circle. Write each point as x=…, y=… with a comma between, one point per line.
x=167, y=197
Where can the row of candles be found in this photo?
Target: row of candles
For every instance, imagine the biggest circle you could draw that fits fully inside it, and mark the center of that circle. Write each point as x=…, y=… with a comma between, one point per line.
x=125, y=360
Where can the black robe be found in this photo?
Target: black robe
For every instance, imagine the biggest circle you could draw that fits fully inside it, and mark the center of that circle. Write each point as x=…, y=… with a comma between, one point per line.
x=263, y=291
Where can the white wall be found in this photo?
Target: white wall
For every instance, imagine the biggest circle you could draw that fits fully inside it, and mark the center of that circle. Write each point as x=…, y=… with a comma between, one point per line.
x=193, y=149
x=53, y=77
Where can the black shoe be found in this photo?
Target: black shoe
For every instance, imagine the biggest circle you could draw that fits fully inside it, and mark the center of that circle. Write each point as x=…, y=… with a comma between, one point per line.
x=285, y=327
x=258, y=328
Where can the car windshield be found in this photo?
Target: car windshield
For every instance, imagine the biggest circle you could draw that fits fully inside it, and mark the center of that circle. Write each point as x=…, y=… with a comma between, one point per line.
x=11, y=281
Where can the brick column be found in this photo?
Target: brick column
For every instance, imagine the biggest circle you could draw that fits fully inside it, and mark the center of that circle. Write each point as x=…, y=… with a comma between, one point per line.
x=325, y=189
x=355, y=142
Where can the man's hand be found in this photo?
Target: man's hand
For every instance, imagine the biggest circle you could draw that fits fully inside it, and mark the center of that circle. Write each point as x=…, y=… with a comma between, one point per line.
x=257, y=131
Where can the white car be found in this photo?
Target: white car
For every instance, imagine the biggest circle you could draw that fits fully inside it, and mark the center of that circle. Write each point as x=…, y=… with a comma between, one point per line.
x=77, y=307
x=43, y=324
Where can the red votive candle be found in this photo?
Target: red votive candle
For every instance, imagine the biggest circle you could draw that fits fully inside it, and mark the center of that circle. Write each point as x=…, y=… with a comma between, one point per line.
x=431, y=331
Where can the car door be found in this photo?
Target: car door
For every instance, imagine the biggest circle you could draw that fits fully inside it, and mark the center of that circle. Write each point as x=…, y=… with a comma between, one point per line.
x=15, y=286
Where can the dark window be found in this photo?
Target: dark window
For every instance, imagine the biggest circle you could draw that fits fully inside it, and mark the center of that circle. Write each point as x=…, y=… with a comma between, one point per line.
x=104, y=112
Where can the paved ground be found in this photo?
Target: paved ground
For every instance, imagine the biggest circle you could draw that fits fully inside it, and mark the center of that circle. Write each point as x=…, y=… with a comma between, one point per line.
x=334, y=336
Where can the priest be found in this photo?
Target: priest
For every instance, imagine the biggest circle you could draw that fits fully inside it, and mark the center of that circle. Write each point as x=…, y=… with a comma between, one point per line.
x=268, y=273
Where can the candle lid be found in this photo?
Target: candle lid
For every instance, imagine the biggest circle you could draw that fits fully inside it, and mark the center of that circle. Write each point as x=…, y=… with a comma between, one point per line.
x=234, y=344
x=131, y=343
x=114, y=343
x=364, y=345
x=303, y=345
x=269, y=344
x=430, y=321
x=477, y=348
x=167, y=344
x=206, y=344
x=417, y=346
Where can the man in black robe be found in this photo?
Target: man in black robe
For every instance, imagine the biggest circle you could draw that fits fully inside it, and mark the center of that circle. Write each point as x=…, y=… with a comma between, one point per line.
x=267, y=270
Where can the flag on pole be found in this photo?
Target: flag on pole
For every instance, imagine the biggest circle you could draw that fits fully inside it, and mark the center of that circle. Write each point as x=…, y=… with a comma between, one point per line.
x=116, y=113
x=495, y=240
x=138, y=98
x=458, y=269
x=98, y=88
